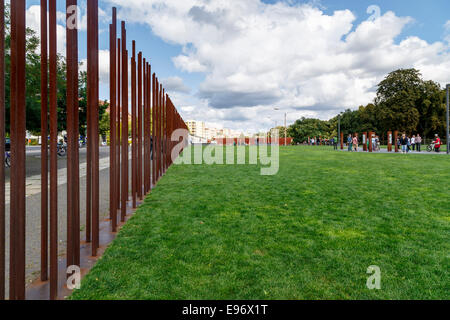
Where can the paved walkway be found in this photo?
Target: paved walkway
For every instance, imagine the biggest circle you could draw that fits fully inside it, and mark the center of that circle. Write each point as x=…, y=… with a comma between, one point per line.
x=383, y=150
x=33, y=214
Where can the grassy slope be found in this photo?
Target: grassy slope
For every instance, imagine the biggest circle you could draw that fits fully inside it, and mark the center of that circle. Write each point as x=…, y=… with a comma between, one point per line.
x=310, y=232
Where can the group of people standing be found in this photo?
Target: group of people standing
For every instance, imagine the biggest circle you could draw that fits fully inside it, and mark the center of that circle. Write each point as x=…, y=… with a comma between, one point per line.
x=415, y=142
x=408, y=144
x=353, y=143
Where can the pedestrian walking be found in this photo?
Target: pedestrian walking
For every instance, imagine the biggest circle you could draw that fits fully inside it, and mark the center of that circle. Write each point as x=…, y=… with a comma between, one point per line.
x=355, y=143
x=349, y=142
x=413, y=143
x=404, y=143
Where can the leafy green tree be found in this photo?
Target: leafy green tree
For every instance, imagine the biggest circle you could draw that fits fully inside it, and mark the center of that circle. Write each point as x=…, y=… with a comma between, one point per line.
x=82, y=104
x=33, y=77
x=33, y=84
x=304, y=128
x=397, y=100
x=431, y=107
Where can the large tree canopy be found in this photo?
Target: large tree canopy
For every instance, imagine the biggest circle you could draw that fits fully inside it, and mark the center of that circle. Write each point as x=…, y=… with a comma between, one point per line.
x=33, y=84
x=404, y=102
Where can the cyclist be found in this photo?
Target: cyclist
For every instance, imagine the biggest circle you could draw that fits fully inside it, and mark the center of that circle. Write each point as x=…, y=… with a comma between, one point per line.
x=437, y=143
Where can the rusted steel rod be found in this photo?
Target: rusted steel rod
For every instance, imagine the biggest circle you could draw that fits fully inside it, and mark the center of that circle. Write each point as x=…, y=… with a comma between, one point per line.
x=148, y=122
x=44, y=142
x=73, y=188
x=160, y=127
x=113, y=122
x=140, y=127
x=53, y=151
x=133, y=127
x=2, y=150
x=153, y=128
x=118, y=124
x=146, y=133
x=156, y=151
x=93, y=95
x=125, y=182
x=165, y=130
x=17, y=205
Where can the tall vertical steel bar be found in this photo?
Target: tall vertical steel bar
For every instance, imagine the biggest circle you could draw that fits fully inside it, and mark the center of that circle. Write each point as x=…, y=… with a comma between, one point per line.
x=53, y=153
x=148, y=128
x=158, y=128
x=2, y=150
x=44, y=142
x=158, y=110
x=124, y=124
x=139, y=116
x=73, y=188
x=163, y=92
x=160, y=119
x=146, y=133
x=164, y=135
x=448, y=121
x=17, y=206
x=167, y=132
x=153, y=128
x=145, y=114
x=113, y=122
x=118, y=124
x=70, y=150
x=13, y=201
x=93, y=98
x=133, y=127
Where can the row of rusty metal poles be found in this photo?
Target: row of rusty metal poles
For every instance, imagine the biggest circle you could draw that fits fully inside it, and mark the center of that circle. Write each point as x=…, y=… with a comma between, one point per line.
x=153, y=120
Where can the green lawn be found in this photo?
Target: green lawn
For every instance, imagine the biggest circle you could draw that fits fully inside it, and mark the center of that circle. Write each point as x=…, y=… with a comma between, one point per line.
x=310, y=232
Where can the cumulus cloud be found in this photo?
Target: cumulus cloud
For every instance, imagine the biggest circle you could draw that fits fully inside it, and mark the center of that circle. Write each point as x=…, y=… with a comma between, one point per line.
x=256, y=55
x=175, y=84
x=103, y=59
x=33, y=21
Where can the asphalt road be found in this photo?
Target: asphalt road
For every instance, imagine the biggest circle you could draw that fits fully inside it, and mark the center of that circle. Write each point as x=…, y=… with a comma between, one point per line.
x=33, y=161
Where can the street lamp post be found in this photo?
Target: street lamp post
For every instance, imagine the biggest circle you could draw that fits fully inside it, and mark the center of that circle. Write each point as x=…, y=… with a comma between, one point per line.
x=339, y=129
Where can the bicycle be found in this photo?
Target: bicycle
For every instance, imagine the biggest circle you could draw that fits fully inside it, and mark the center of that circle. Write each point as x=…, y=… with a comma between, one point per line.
x=62, y=150
x=431, y=147
x=7, y=160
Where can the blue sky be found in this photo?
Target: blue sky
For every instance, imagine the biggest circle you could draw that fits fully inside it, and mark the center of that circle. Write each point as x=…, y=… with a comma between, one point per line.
x=213, y=82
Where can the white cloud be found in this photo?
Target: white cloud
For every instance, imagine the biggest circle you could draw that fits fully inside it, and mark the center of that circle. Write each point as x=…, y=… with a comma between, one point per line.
x=175, y=84
x=256, y=56
x=33, y=21
x=103, y=59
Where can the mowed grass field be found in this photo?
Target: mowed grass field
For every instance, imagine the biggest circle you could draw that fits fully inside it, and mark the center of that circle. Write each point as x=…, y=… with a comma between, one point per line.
x=309, y=232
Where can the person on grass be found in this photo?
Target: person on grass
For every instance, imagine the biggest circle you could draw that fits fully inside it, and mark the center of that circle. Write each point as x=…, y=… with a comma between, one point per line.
x=404, y=143
x=355, y=143
x=413, y=143
x=418, y=142
x=349, y=142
